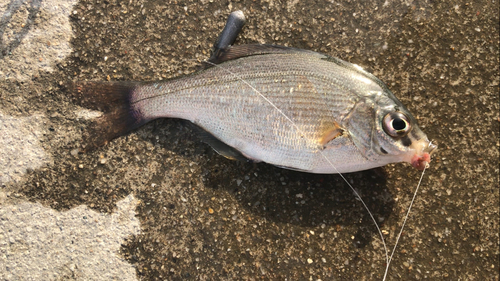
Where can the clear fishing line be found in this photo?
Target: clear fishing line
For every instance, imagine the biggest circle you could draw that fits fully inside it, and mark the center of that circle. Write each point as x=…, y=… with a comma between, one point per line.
x=404, y=221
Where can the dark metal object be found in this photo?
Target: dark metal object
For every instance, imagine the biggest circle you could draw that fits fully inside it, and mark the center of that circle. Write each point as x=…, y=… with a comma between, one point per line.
x=233, y=26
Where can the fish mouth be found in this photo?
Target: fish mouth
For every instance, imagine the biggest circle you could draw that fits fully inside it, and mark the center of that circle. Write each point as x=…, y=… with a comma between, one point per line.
x=421, y=160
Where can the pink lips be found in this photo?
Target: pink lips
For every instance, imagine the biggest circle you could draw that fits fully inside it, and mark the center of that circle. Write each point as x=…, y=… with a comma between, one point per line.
x=419, y=162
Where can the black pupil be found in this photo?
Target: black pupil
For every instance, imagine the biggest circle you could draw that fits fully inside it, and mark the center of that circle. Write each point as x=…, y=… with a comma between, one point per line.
x=398, y=124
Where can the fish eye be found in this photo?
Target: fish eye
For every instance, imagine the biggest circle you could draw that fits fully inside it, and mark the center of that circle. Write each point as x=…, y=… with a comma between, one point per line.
x=396, y=124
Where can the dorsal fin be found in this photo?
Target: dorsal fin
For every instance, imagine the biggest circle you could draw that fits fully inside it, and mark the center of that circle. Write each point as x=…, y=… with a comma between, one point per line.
x=240, y=51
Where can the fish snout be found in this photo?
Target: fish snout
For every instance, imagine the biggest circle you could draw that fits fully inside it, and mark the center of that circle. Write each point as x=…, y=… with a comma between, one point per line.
x=421, y=161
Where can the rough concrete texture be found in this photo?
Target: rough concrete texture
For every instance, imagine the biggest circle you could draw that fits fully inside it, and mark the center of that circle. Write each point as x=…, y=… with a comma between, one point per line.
x=207, y=218
x=21, y=149
x=39, y=243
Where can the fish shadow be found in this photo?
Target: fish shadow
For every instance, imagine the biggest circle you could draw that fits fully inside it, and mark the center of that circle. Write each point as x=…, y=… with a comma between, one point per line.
x=308, y=200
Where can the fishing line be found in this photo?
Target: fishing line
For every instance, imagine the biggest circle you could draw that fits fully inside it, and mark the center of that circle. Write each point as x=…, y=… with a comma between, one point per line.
x=404, y=221
x=314, y=144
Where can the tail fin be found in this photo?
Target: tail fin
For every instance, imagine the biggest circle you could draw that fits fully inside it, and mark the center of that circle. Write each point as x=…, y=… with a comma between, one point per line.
x=114, y=99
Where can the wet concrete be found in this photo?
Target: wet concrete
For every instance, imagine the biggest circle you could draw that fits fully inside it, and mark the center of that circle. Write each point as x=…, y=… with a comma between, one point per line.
x=205, y=217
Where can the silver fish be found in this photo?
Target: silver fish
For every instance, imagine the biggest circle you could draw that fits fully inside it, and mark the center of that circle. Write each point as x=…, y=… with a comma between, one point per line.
x=292, y=108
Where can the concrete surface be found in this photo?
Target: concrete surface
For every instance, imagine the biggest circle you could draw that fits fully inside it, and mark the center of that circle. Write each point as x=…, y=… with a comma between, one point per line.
x=203, y=217
x=40, y=243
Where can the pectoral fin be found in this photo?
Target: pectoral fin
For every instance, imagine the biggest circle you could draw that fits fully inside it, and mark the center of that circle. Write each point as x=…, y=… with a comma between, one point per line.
x=330, y=134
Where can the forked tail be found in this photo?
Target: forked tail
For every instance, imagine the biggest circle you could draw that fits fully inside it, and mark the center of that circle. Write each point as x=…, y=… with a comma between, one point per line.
x=114, y=100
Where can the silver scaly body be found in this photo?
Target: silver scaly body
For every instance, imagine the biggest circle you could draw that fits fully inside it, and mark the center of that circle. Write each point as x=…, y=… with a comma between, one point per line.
x=316, y=92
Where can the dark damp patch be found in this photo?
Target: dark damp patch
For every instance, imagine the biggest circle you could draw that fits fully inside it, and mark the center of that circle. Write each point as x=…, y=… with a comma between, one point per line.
x=406, y=141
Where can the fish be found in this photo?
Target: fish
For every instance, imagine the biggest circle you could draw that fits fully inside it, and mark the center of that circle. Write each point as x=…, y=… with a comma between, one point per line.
x=292, y=108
